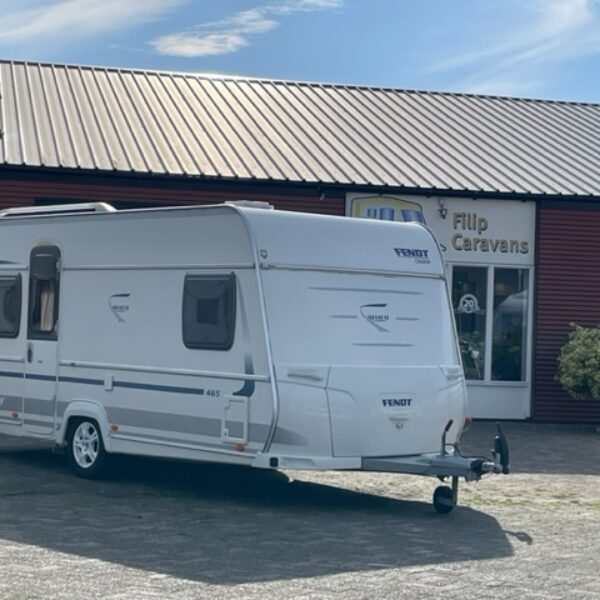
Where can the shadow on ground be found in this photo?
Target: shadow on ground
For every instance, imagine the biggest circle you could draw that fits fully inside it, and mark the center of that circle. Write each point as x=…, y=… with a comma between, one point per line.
x=227, y=525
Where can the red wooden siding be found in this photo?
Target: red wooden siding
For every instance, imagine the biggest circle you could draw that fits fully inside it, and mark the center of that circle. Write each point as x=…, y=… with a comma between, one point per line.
x=22, y=192
x=568, y=290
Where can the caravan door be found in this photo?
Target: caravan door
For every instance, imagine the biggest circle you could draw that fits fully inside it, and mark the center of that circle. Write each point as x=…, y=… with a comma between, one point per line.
x=42, y=335
x=12, y=346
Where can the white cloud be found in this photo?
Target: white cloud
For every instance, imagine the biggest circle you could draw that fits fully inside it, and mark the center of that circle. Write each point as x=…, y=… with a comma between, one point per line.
x=189, y=45
x=502, y=86
x=77, y=17
x=544, y=36
x=233, y=33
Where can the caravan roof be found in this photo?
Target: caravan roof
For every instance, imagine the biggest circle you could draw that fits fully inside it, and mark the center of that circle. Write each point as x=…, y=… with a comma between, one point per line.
x=281, y=238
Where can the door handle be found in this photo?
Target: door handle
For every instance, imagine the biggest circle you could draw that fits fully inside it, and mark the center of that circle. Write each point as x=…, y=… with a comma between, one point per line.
x=29, y=352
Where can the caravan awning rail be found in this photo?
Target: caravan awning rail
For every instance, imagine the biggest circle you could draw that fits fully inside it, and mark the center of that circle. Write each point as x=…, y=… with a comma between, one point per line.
x=81, y=207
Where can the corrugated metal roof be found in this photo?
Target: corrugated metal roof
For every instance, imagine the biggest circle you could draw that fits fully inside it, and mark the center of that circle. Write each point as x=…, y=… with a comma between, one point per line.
x=170, y=123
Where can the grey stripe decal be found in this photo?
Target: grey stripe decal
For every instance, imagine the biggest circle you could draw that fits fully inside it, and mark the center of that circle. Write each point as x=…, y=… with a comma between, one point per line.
x=35, y=423
x=343, y=316
x=157, y=421
x=287, y=437
x=38, y=407
x=407, y=319
x=169, y=440
x=235, y=429
x=210, y=427
x=296, y=440
x=10, y=403
x=165, y=421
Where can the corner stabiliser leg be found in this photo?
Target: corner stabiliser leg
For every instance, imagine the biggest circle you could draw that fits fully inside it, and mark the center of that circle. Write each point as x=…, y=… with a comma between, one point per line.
x=501, y=452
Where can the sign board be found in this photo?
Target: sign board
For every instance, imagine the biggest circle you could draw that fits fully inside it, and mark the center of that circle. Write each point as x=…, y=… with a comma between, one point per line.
x=468, y=230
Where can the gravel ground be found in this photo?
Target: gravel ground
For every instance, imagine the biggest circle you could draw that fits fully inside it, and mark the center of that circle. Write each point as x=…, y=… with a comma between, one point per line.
x=172, y=530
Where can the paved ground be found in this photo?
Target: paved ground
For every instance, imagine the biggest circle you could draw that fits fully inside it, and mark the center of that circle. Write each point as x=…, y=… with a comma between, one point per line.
x=162, y=530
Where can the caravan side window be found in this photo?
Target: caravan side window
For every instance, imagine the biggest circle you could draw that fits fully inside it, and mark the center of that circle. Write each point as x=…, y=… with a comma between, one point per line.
x=43, y=293
x=209, y=311
x=10, y=306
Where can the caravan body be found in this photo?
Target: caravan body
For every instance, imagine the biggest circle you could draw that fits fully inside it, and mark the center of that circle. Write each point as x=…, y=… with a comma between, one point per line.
x=229, y=333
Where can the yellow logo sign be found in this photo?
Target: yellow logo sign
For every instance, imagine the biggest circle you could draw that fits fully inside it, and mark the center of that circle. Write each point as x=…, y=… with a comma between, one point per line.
x=386, y=209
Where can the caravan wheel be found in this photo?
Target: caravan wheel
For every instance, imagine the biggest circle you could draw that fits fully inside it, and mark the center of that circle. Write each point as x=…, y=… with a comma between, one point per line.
x=443, y=499
x=87, y=456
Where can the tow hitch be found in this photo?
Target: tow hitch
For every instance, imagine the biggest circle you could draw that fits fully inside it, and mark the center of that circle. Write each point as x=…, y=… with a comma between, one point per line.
x=448, y=463
x=454, y=465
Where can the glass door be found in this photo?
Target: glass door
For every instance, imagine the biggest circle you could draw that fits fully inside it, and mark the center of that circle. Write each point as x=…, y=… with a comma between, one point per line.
x=510, y=324
x=491, y=306
x=469, y=300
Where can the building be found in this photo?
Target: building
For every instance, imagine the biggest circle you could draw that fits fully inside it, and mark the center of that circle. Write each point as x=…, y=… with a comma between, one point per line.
x=511, y=187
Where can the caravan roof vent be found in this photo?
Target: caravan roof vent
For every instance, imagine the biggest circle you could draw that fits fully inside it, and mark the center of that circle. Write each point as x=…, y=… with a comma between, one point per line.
x=251, y=204
x=82, y=207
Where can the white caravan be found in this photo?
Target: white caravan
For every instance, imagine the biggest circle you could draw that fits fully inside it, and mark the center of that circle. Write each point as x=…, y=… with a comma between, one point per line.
x=234, y=334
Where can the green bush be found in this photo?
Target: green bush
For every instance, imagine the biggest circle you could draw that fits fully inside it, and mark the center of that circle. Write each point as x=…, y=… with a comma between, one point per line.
x=579, y=363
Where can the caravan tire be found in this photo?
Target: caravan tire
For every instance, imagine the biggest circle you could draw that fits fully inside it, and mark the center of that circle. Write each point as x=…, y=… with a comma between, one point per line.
x=85, y=449
x=443, y=499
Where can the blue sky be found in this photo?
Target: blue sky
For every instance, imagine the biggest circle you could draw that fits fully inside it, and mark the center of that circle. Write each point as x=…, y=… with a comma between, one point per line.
x=535, y=48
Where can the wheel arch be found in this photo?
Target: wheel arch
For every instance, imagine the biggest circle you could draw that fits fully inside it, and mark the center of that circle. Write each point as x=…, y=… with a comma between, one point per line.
x=83, y=408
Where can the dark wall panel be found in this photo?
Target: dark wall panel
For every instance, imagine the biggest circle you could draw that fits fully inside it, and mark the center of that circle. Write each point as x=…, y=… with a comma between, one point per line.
x=23, y=191
x=568, y=290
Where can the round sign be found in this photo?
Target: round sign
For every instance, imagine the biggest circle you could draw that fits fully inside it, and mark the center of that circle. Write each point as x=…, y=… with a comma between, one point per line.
x=468, y=304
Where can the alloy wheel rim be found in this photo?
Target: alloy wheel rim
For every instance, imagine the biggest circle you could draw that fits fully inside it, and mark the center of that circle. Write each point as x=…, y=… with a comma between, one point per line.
x=86, y=445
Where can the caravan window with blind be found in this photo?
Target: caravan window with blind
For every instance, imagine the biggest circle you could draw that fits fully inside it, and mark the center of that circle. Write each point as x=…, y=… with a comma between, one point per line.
x=209, y=311
x=43, y=293
x=10, y=306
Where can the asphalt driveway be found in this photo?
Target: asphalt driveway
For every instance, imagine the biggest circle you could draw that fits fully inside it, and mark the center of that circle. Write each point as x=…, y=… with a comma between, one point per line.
x=173, y=530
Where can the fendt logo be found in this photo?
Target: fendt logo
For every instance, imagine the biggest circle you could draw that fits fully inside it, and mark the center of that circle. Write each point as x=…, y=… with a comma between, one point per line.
x=375, y=315
x=420, y=255
x=390, y=402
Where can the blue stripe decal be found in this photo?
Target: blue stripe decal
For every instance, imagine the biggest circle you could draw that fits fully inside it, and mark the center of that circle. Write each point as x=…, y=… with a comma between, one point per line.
x=40, y=377
x=11, y=374
x=159, y=388
x=123, y=384
x=65, y=379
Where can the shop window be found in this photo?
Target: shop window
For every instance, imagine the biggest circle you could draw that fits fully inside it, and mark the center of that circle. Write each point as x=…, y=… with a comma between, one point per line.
x=10, y=306
x=43, y=293
x=469, y=299
x=209, y=311
x=509, y=339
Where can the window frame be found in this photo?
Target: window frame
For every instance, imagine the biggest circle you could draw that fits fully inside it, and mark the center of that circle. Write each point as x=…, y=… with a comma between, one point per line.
x=43, y=335
x=457, y=317
x=528, y=347
x=18, y=279
x=525, y=328
x=231, y=320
